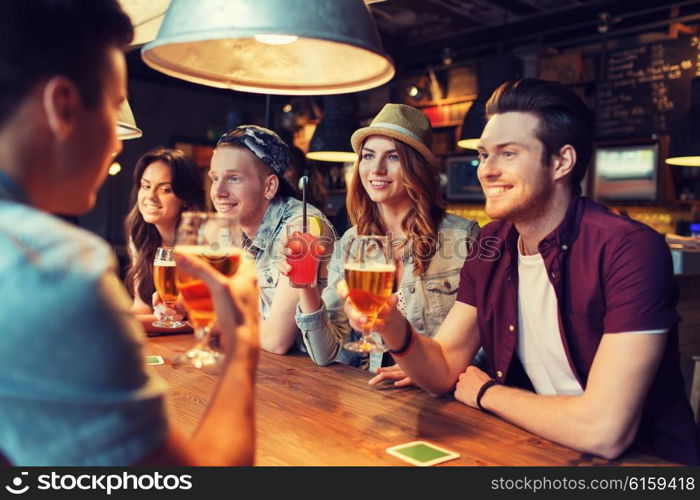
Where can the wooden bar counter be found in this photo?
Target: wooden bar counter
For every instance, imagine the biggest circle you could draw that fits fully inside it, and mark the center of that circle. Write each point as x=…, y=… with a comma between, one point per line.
x=311, y=415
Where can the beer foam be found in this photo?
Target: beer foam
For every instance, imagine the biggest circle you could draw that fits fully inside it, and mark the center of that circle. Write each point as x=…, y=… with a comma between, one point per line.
x=374, y=267
x=164, y=263
x=208, y=251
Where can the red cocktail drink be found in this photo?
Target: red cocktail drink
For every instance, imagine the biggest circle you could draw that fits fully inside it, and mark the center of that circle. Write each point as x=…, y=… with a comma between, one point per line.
x=303, y=253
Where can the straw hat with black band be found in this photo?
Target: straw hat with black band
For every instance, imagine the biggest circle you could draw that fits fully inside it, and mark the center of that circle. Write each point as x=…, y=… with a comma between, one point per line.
x=401, y=122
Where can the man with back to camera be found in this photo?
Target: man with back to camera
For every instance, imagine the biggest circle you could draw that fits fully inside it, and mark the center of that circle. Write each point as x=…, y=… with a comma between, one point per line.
x=576, y=312
x=73, y=388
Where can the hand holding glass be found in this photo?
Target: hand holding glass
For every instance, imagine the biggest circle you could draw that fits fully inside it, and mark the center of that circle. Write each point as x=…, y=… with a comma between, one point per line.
x=216, y=239
x=369, y=274
x=303, y=253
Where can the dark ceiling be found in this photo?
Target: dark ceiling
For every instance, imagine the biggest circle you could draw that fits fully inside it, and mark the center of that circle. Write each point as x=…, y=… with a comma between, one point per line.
x=421, y=32
x=418, y=33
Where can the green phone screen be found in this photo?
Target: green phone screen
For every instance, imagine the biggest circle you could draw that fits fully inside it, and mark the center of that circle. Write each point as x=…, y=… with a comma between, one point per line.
x=421, y=452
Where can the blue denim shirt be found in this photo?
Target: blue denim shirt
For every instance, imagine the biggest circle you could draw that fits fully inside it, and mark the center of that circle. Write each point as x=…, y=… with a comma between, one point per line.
x=73, y=388
x=426, y=299
x=266, y=246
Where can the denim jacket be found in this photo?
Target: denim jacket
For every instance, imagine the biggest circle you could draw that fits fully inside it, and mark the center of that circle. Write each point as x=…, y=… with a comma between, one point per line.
x=426, y=299
x=266, y=246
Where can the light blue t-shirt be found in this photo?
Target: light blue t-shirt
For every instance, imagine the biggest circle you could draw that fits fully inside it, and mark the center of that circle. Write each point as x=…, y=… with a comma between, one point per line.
x=73, y=390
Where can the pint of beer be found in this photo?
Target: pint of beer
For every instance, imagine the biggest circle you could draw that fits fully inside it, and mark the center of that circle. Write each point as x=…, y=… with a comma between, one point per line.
x=164, y=281
x=369, y=286
x=194, y=292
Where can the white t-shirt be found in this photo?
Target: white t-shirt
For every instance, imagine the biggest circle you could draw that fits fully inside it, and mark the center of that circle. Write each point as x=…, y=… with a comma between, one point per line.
x=540, y=348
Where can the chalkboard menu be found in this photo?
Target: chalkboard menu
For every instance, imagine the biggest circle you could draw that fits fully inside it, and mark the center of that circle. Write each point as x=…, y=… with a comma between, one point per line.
x=646, y=89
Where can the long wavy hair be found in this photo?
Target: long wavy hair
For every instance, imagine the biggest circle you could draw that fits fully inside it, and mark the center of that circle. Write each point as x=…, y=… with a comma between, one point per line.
x=422, y=181
x=187, y=186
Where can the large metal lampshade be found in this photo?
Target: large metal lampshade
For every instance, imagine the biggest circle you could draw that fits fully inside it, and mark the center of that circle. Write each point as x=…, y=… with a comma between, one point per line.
x=126, y=124
x=146, y=16
x=292, y=47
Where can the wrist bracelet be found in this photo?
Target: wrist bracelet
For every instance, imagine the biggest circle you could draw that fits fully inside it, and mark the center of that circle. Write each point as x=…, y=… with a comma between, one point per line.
x=487, y=385
x=406, y=344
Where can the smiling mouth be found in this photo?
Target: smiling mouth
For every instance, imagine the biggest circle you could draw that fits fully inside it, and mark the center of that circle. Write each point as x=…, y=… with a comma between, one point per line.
x=223, y=207
x=379, y=183
x=496, y=190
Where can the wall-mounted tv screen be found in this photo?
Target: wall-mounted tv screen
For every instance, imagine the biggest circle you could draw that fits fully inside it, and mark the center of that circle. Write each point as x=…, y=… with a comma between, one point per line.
x=462, y=182
x=626, y=173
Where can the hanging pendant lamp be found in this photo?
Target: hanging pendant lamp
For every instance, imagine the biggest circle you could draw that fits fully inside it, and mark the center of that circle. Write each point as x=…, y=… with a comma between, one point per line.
x=331, y=139
x=292, y=47
x=492, y=71
x=473, y=124
x=126, y=124
x=146, y=17
x=684, y=149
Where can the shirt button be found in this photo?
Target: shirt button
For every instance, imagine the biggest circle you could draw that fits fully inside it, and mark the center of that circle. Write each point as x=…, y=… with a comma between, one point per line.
x=499, y=374
x=564, y=247
x=412, y=289
x=511, y=328
x=447, y=284
x=554, y=275
x=269, y=279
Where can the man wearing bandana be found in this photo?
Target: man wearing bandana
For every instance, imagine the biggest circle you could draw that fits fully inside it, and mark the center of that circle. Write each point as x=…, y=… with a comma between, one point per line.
x=247, y=181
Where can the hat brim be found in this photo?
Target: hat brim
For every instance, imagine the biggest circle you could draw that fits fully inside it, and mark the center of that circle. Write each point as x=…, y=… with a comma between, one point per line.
x=361, y=134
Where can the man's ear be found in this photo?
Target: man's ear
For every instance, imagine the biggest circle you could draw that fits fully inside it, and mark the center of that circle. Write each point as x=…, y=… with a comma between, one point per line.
x=272, y=184
x=61, y=101
x=564, y=161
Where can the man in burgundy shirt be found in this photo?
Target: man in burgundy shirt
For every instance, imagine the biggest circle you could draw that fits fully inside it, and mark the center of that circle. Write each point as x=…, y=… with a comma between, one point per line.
x=573, y=305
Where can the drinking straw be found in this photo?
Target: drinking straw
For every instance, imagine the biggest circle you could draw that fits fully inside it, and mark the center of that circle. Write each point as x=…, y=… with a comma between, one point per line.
x=304, y=181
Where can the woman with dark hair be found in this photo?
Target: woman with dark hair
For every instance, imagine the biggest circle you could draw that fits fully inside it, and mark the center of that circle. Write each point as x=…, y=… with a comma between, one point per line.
x=395, y=191
x=166, y=183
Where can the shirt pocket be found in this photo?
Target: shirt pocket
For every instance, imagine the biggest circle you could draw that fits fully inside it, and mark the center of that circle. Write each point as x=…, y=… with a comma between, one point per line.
x=268, y=276
x=441, y=293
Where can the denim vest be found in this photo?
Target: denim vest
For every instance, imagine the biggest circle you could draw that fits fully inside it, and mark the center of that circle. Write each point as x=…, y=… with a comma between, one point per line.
x=426, y=298
x=266, y=246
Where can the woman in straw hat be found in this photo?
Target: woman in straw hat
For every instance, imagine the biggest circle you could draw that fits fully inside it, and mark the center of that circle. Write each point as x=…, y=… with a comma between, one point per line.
x=395, y=191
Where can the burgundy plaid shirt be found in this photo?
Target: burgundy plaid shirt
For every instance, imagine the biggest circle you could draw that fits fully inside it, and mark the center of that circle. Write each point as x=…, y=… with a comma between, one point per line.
x=610, y=275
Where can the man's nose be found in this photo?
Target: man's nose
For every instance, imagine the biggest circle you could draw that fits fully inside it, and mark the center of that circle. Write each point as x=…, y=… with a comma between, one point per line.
x=220, y=190
x=487, y=169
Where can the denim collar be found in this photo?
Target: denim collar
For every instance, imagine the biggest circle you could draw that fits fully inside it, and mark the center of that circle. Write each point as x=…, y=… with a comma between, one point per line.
x=268, y=227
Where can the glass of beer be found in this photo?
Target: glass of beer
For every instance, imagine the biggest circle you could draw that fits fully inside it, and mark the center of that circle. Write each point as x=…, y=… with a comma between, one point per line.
x=369, y=273
x=164, y=281
x=216, y=239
